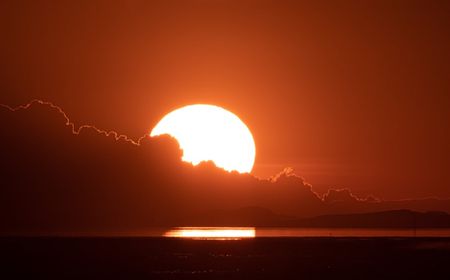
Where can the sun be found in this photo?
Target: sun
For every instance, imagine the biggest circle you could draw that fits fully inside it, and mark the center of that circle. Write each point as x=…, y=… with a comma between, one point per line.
x=208, y=132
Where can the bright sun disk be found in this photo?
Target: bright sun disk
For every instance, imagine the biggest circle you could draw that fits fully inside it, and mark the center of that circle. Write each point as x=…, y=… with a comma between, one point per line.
x=208, y=132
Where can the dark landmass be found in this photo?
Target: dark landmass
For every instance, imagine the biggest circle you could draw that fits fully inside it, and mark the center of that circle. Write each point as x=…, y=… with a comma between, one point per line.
x=260, y=258
x=386, y=219
x=253, y=216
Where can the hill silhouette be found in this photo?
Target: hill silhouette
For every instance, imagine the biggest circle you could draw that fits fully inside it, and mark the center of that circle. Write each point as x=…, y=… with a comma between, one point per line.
x=384, y=219
x=255, y=216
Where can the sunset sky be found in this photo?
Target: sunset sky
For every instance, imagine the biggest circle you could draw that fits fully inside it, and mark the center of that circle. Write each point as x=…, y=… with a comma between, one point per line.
x=351, y=94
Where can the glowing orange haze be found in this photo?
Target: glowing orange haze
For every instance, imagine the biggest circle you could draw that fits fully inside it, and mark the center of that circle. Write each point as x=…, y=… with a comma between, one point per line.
x=349, y=93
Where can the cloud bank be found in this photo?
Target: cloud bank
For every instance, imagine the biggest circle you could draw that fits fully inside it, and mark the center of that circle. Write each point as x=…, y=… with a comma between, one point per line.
x=60, y=177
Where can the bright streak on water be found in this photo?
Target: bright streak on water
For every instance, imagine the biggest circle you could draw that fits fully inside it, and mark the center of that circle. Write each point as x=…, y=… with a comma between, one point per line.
x=212, y=233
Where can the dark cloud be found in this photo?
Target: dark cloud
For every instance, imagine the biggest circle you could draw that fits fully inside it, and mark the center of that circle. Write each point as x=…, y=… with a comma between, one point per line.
x=339, y=195
x=60, y=177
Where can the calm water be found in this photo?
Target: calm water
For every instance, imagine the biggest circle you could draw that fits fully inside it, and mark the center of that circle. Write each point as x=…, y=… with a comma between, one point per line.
x=356, y=232
x=232, y=233
x=231, y=253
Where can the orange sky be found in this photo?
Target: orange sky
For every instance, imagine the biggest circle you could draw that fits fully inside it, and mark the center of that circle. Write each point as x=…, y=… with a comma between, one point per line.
x=349, y=94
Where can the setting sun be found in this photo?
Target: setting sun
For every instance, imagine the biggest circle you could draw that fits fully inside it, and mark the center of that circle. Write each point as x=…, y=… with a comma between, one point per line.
x=208, y=132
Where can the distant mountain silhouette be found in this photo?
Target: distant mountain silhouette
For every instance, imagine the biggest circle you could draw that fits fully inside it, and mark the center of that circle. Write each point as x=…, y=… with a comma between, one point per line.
x=248, y=216
x=385, y=219
x=255, y=216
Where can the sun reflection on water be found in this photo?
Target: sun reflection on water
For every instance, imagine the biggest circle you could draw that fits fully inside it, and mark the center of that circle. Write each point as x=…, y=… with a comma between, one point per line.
x=211, y=233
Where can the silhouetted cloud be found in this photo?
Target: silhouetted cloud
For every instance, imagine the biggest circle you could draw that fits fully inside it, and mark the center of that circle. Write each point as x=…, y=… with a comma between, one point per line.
x=57, y=176
x=339, y=195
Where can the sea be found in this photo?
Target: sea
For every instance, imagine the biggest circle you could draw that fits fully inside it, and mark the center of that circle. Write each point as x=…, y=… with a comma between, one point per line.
x=229, y=253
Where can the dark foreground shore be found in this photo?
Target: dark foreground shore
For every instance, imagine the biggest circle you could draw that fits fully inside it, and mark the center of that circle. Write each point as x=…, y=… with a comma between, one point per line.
x=274, y=258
